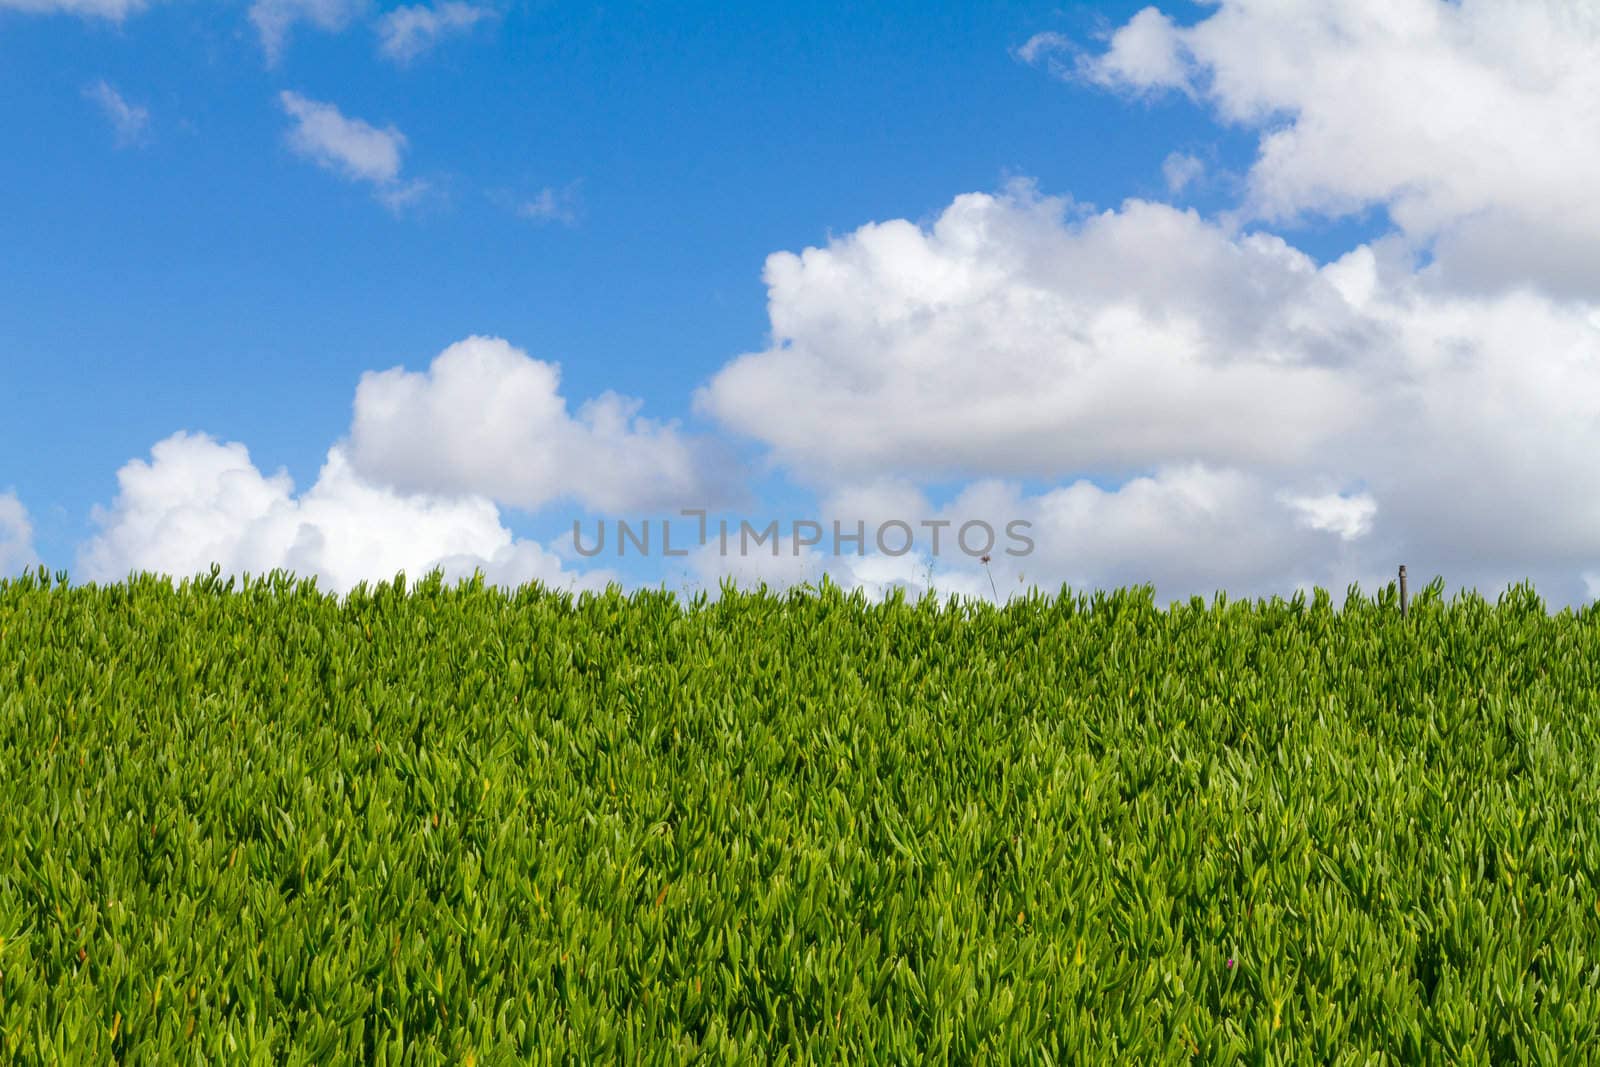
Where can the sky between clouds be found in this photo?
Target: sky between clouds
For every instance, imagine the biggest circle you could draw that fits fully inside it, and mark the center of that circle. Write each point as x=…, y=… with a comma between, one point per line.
x=1170, y=389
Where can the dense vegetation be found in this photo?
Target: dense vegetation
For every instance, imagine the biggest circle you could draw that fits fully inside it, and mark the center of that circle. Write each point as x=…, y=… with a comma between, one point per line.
x=262, y=824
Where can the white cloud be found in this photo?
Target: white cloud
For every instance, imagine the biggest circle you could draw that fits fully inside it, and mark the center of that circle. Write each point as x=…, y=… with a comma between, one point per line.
x=1009, y=340
x=1249, y=419
x=355, y=149
x=552, y=205
x=408, y=31
x=1181, y=171
x=16, y=537
x=1046, y=50
x=1348, y=515
x=115, y=10
x=274, y=19
x=198, y=501
x=130, y=121
x=412, y=488
x=1146, y=54
x=351, y=148
x=1492, y=153
x=485, y=418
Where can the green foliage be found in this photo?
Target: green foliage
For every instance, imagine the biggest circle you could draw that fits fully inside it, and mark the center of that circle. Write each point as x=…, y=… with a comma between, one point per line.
x=260, y=824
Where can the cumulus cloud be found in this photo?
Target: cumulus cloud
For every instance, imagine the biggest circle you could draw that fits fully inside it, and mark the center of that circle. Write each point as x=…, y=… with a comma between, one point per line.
x=1493, y=154
x=1013, y=338
x=16, y=537
x=486, y=418
x=198, y=502
x=408, y=31
x=129, y=121
x=1218, y=409
x=351, y=148
x=114, y=10
x=1147, y=54
x=417, y=484
x=275, y=19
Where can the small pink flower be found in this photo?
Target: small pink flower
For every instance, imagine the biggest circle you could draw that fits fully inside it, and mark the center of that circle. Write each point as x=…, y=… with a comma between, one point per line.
x=1230, y=963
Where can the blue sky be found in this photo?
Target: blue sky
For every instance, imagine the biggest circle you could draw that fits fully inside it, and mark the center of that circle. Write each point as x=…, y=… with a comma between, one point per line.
x=220, y=216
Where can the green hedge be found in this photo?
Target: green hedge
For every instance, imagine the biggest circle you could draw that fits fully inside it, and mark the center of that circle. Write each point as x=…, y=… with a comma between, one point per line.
x=257, y=823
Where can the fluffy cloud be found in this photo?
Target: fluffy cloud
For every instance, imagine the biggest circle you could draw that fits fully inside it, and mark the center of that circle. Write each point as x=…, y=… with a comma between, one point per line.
x=1010, y=339
x=408, y=31
x=485, y=418
x=410, y=489
x=198, y=501
x=130, y=121
x=275, y=19
x=356, y=150
x=16, y=537
x=1146, y=54
x=1271, y=420
x=1493, y=153
x=115, y=10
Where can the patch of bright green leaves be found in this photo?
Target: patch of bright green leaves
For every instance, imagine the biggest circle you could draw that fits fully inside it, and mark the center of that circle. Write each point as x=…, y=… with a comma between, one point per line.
x=261, y=824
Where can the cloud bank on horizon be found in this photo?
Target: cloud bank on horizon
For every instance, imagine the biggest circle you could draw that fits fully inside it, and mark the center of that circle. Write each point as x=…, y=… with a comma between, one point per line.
x=1258, y=421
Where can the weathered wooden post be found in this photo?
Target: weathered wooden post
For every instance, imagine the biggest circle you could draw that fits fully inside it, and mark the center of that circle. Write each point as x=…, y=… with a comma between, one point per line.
x=1402, y=590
